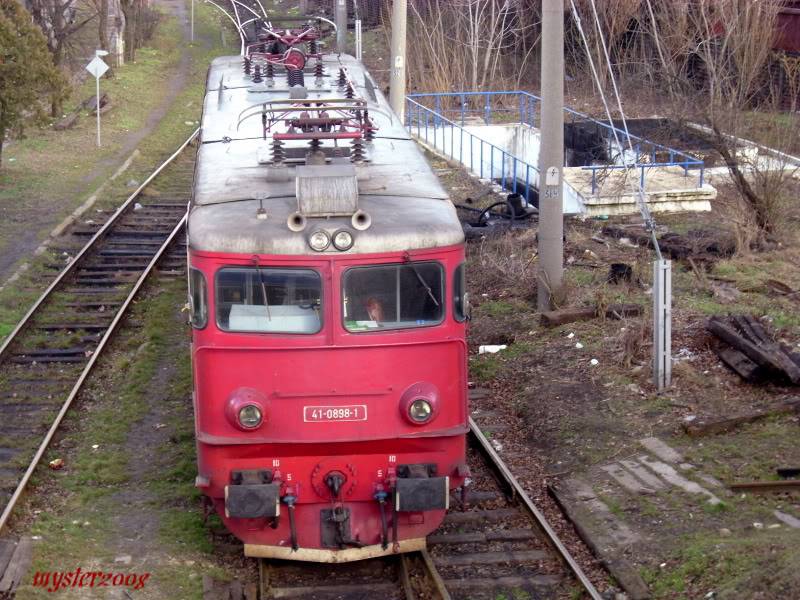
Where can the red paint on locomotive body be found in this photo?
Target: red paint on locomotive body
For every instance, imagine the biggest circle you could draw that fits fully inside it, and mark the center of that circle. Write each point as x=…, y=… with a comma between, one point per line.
x=332, y=402
x=329, y=316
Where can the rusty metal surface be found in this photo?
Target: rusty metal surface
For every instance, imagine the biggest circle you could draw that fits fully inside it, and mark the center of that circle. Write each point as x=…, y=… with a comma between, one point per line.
x=787, y=485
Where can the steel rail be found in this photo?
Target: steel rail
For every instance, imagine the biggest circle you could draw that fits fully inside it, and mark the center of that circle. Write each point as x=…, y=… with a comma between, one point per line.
x=433, y=573
x=89, y=245
x=527, y=503
x=86, y=371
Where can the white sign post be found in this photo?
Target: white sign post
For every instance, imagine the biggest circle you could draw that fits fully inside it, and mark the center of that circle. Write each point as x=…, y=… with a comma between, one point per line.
x=98, y=67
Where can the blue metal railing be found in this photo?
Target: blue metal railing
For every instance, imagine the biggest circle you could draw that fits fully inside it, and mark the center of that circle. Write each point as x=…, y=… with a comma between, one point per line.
x=492, y=161
x=522, y=107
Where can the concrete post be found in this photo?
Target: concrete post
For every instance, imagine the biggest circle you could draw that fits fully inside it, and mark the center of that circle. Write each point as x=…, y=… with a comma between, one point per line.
x=551, y=157
x=340, y=18
x=397, y=80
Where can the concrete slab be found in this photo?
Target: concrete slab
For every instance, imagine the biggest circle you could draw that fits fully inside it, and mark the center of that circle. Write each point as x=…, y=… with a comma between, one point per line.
x=608, y=537
x=672, y=476
x=787, y=519
x=661, y=450
x=617, y=533
x=667, y=189
x=627, y=480
x=650, y=480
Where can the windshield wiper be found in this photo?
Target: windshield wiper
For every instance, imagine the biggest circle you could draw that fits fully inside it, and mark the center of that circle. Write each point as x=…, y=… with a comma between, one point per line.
x=425, y=285
x=264, y=292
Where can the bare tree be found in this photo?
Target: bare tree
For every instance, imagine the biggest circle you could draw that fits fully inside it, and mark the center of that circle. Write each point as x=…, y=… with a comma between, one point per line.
x=59, y=21
x=466, y=44
x=715, y=57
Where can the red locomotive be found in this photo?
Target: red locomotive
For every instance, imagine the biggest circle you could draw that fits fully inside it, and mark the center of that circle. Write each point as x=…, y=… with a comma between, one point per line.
x=328, y=306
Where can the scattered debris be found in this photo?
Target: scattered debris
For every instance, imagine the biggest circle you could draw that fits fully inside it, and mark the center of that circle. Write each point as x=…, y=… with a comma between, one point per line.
x=594, y=362
x=489, y=349
x=67, y=122
x=751, y=351
x=725, y=292
x=620, y=273
x=782, y=289
x=554, y=318
x=701, y=427
x=90, y=103
x=699, y=244
x=57, y=464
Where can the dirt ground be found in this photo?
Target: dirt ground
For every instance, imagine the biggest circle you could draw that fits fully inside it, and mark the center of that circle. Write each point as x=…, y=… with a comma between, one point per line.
x=559, y=414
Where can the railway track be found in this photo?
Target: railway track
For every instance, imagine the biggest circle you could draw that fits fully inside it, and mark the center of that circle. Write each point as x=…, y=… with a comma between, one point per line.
x=46, y=359
x=496, y=545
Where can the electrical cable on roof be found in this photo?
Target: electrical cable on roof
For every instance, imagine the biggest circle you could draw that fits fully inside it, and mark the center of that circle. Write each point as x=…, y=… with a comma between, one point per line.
x=649, y=222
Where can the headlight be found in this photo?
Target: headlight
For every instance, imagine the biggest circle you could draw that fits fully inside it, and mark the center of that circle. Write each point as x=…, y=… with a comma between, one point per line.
x=319, y=240
x=250, y=416
x=420, y=410
x=343, y=240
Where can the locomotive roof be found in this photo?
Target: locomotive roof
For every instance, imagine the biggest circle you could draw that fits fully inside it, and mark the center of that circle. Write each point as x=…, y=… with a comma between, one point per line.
x=233, y=179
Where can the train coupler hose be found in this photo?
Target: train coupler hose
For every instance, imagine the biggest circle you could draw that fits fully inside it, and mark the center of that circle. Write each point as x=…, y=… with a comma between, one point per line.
x=381, y=498
x=289, y=501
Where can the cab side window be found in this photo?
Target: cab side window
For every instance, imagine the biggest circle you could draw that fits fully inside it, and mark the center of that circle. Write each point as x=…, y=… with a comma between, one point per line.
x=198, y=299
x=460, y=296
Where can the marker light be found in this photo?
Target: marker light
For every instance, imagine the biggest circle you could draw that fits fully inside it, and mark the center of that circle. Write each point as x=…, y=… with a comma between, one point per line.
x=420, y=410
x=250, y=416
x=319, y=240
x=343, y=240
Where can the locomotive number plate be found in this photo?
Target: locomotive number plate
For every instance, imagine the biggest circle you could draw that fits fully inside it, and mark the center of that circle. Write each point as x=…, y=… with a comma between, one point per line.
x=316, y=414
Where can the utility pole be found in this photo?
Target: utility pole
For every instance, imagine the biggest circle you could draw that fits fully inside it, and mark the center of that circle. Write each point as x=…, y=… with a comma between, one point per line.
x=397, y=80
x=340, y=17
x=551, y=155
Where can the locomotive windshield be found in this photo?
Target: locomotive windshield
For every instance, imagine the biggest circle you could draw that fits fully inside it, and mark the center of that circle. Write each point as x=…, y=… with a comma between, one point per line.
x=293, y=300
x=393, y=296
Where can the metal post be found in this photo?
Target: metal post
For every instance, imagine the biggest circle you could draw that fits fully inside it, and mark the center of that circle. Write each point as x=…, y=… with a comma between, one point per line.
x=397, y=81
x=662, y=323
x=97, y=109
x=358, y=39
x=192, y=21
x=340, y=17
x=551, y=155
x=303, y=7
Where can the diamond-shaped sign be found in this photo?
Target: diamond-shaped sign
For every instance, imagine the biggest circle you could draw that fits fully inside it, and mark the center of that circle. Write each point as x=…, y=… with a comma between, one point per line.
x=97, y=67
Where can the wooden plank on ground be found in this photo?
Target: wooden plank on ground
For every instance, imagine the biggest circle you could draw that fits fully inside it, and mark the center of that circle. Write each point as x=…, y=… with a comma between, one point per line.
x=18, y=566
x=740, y=364
x=765, y=355
x=708, y=427
x=554, y=318
x=786, y=485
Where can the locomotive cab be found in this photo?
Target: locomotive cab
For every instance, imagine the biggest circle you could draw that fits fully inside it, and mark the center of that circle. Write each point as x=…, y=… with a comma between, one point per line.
x=329, y=316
